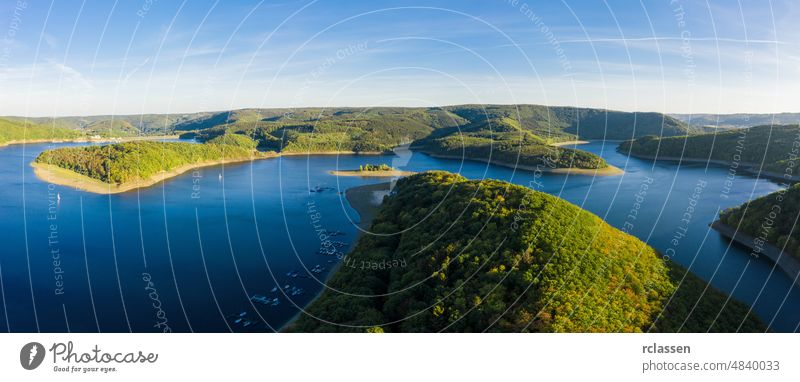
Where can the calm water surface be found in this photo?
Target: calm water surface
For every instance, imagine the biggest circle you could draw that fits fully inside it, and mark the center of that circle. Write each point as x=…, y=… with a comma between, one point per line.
x=236, y=247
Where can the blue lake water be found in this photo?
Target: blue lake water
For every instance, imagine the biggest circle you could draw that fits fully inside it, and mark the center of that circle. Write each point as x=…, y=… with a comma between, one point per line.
x=189, y=254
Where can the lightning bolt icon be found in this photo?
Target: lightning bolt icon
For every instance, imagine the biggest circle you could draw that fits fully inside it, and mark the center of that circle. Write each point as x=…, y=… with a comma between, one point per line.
x=34, y=351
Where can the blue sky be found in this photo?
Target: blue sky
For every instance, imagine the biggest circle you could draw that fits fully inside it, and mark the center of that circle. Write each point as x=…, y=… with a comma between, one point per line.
x=129, y=57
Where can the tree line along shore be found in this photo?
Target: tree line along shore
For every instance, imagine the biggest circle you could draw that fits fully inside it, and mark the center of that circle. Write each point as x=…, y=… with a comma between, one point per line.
x=483, y=132
x=529, y=136
x=487, y=133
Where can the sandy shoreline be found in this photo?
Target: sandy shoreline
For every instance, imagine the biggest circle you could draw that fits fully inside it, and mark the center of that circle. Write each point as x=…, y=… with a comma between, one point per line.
x=361, y=199
x=785, y=261
x=605, y=171
x=372, y=174
x=569, y=143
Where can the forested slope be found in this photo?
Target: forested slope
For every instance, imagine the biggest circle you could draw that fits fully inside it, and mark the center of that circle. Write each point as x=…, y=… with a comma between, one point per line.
x=450, y=254
x=503, y=140
x=776, y=146
x=120, y=163
x=18, y=130
x=771, y=217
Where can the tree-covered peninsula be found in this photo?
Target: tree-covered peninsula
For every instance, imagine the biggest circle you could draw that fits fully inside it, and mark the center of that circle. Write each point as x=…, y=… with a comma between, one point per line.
x=503, y=141
x=777, y=147
x=769, y=219
x=450, y=254
x=123, y=166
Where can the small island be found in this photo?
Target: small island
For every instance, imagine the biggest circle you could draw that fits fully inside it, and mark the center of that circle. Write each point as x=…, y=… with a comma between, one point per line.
x=373, y=171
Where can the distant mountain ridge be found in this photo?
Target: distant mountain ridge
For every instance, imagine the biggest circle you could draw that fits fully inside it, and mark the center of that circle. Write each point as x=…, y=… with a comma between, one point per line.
x=552, y=123
x=738, y=120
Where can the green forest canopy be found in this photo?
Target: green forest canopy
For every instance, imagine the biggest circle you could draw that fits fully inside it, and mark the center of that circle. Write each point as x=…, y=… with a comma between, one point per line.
x=375, y=129
x=16, y=130
x=753, y=218
x=466, y=256
x=776, y=145
x=130, y=161
x=553, y=123
x=379, y=129
x=505, y=133
x=375, y=167
x=503, y=140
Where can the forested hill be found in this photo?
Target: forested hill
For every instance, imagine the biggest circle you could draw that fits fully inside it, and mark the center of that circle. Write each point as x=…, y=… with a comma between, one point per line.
x=280, y=127
x=122, y=163
x=455, y=255
x=583, y=123
x=366, y=128
x=509, y=135
x=775, y=145
x=738, y=120
x=771, y=217
x=21, y=130
x=501, y=140
x=515, y=134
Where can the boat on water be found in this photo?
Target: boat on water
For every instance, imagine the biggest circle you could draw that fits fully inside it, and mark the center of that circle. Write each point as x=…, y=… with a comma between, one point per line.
x=321, y=189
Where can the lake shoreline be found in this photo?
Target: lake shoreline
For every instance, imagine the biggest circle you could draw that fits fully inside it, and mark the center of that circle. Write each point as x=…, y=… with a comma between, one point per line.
x=749, y=168
x=57, y=175
x=783, y=260
x=569, y=143
x=359, y=199
x=609, y=170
